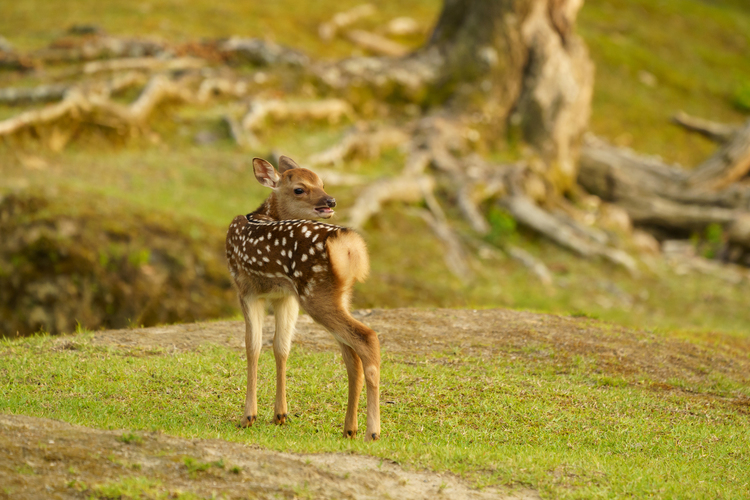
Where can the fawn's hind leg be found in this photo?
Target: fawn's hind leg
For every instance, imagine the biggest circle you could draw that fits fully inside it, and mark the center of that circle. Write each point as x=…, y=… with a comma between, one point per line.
x=356, y=381
x=253, y=309
x=363, y=341
x=286, y=310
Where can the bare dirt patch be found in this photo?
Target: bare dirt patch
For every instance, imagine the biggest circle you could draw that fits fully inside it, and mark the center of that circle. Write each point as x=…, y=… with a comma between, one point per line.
x=41, y=458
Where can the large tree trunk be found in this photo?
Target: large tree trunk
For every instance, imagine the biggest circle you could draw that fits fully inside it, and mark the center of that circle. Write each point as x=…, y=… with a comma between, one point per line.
x=519, y=64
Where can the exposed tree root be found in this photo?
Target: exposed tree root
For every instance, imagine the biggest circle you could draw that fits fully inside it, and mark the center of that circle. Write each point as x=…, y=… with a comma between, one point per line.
x=361, y=143
x=143, y=64
x=95, y=105
x=440, y=159
x=719, y=132
x=330, y=110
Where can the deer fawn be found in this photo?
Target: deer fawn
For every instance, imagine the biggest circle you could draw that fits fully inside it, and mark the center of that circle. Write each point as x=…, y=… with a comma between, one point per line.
x=280, y=253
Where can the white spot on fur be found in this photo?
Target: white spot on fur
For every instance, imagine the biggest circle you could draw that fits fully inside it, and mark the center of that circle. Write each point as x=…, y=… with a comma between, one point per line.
x=265, y=259
x=283, y=241
x=319, y=245
x=286, y=269
x=283, y=253
x=304, y=257
x=318, y=268
x=315, y=237
x=276, y=242
x=312, y=251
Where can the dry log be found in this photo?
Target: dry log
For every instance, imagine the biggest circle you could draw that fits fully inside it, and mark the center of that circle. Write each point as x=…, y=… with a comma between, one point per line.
x=655, y=194
x=332, y=110
x=719, y=132
x=328, y=30
x=729, y=164
x=376, y=44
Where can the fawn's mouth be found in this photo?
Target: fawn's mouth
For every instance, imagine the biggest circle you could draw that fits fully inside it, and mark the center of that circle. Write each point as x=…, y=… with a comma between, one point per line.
x=324, y=211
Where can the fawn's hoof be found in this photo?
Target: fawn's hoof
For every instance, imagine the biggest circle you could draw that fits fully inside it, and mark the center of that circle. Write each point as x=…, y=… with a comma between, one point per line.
x=248, y=420
x=280, y=418
x=374, y=436
x=351, y=434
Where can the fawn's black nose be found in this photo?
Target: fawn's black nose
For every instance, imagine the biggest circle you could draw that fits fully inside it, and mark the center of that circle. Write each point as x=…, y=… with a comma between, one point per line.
x=331, y=202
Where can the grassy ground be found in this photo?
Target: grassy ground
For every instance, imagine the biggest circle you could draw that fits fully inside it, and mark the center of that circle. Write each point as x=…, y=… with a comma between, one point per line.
x=567, y=426
x=569, y=431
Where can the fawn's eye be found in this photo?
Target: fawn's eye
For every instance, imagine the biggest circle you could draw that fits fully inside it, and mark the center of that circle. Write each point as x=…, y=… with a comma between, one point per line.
x=299, y=191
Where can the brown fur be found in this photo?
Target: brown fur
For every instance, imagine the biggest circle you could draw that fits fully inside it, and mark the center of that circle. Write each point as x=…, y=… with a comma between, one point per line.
x=280, y=253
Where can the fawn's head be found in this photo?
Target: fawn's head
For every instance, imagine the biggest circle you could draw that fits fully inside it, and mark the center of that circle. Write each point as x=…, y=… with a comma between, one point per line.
x=297, y=192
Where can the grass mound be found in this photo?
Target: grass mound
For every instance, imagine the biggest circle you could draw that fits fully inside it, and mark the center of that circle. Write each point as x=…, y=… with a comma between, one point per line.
x=104, y=267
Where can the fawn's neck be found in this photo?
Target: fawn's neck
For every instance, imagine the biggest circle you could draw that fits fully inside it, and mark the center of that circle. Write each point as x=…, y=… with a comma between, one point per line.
x=268, y=208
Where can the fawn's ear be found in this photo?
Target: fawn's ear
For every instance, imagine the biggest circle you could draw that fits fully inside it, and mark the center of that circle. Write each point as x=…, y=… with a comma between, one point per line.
x=286, y=163
x=265, y=173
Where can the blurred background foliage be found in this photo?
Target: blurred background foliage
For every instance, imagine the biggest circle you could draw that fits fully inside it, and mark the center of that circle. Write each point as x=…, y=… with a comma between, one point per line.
x=183, y=181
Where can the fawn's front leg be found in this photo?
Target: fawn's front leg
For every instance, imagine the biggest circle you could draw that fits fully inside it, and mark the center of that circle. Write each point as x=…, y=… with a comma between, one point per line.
x=253, y=309
x=286, y=310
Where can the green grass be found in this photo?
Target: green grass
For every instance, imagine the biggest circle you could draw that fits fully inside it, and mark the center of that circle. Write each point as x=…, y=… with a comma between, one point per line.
x=697, y=51
x=287, y=21
x=563, y=427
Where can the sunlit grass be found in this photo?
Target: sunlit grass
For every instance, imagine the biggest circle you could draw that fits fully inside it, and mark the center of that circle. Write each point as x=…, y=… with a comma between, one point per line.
x=565, y=428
